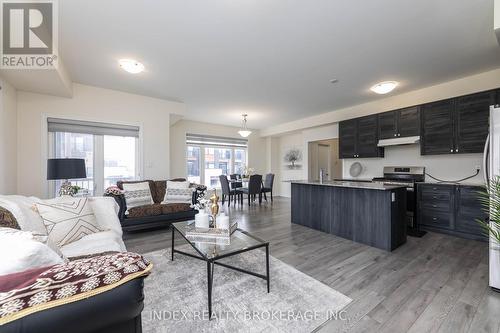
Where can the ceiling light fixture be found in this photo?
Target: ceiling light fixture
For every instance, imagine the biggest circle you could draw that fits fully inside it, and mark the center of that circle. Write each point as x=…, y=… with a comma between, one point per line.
x=244, y=132
x=384, y=87
x=131, y=66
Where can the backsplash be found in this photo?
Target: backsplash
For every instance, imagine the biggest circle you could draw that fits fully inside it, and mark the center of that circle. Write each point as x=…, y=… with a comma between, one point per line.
x=449, y=167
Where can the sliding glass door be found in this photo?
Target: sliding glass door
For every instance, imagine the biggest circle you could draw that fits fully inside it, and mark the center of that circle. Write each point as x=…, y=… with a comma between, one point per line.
x=75, y=145
x=111, y=152
x=120, y=159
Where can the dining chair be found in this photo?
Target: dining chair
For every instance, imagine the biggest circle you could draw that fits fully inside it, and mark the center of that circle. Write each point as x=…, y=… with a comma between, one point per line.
x=227, y=191
x=234, y=183
x=254, y=188
x=268, y=185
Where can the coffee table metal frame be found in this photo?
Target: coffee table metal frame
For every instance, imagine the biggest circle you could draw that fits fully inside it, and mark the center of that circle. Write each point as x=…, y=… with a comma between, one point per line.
x=211, y=262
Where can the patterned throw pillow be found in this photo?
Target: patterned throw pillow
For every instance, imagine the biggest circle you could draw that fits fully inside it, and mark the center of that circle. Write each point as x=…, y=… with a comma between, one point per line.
x=7, y=219
x=137, y=194
x=68, y=219
x=178, y=192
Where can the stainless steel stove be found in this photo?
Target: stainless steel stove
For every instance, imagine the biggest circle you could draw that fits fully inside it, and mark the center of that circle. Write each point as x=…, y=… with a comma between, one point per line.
x=406, y=176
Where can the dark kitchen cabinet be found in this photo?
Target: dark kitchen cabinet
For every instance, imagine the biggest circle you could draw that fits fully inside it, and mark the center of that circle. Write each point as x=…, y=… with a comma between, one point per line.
x=358, y=138
x=437, y=134
x=368, y=137
x=456, y=126
x=399, y=123
x=409, y=122
x=348, y=138
x=471, y=121
x=387, y=125
x=451, y=209
x=469, y=209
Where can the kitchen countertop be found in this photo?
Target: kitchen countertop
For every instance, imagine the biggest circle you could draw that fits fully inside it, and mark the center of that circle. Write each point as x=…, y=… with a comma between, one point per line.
x=350, y=184
x=451, y=183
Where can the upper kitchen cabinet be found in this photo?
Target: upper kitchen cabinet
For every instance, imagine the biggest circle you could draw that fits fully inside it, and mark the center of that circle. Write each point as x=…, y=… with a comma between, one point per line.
x=348, y=131
x=471, y=121
x=368, y=137
x=409, y=122
x=399, y=123
x=387, y=125
x=456, y=126
x=358, y=138
x=437, y=134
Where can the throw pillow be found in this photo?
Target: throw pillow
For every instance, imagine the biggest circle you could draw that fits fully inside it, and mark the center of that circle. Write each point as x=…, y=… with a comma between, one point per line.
x=7, y=219
x=175, y=184
x=178, y=192
x=21, y=208
x=19, y=251
x=68, y=219
x=137, y=194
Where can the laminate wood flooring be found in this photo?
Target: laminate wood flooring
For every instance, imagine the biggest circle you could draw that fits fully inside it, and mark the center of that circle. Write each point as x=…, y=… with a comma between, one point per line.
x=437, y=283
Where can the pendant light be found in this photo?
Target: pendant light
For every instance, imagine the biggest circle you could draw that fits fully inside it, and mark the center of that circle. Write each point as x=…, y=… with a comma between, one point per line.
x=244, y=132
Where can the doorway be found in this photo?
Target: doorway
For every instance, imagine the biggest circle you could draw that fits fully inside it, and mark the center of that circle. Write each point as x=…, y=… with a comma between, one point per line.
x=323, y=154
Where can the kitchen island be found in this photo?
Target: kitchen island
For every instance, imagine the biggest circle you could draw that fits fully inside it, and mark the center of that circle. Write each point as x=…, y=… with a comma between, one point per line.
x=365, y=212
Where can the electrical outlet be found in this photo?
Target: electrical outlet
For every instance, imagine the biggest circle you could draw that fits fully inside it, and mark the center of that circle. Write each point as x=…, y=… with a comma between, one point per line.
x=478, y=167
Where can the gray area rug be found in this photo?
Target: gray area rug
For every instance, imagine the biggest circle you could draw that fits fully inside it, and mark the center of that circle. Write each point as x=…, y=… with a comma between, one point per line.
x=176, y=296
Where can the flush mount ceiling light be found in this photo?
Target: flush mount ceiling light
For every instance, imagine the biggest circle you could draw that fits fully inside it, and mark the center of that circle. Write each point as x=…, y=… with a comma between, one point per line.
x=244, y=132
x=384, y=87
x=131, y=66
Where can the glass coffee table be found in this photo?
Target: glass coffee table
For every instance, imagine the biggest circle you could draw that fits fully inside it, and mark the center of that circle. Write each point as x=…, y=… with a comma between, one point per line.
x=241, y=241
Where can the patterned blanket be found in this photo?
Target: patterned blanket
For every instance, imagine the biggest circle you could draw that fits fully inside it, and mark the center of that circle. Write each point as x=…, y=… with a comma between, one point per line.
x=42, y=288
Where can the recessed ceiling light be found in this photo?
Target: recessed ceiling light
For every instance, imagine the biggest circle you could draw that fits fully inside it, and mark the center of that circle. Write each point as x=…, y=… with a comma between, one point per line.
x=384, y=87
x=131, y=66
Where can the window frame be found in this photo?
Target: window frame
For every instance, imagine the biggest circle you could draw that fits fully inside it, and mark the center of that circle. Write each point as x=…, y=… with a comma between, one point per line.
x=202, y=158
x=47, y=149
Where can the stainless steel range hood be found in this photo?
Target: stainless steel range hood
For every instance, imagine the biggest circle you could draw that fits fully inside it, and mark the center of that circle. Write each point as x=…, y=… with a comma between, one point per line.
x=409, y=140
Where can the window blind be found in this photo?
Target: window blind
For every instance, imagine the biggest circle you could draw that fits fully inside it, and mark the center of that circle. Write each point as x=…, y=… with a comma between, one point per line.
x=215, y=141
x=89, y=127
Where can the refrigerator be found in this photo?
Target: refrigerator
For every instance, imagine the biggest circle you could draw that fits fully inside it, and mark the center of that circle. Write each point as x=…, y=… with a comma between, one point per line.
x=491, y=168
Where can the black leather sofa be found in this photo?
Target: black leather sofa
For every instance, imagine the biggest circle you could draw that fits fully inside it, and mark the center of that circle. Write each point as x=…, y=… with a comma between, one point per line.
x=158, y=214
x=115, y=311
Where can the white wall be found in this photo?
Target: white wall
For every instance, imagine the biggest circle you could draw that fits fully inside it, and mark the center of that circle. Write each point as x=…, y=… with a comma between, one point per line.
x=282, y=173
x=467, y=85
x=447, y=167
x=299, y=140
x=256, y=145
x=93, y=104
x=8, y=138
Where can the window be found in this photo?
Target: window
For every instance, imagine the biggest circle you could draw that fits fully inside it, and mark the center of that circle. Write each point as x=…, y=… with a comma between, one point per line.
x=120, y=160
x=76, y=145
x=208, y=157
x=111, y=152
x=193, y=164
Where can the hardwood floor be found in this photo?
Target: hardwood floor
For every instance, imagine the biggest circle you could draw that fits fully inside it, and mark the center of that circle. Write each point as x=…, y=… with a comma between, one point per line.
x=437, y=283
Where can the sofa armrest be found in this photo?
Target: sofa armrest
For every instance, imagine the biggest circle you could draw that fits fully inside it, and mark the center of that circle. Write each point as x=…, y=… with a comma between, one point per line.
x=115, y=311
x=120, y=199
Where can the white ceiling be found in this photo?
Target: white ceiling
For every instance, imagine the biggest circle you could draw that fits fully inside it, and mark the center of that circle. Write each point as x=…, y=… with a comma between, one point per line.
x=273, y=59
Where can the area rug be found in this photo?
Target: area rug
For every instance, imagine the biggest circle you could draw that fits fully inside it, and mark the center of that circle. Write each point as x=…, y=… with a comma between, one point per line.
x=176, y=296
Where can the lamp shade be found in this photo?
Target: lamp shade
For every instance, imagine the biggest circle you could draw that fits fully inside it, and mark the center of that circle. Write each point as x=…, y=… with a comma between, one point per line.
x=66, y=168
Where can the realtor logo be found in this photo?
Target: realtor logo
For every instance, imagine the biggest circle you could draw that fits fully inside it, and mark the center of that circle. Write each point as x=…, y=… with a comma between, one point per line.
x=29, y=34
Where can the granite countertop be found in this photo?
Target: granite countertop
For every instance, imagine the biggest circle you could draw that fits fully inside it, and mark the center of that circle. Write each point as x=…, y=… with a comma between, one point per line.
x=350, y=184
x=452, y=183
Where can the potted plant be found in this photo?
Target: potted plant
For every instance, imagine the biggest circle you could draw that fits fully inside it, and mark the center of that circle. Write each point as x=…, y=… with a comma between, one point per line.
x=490, y=200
